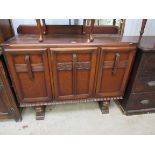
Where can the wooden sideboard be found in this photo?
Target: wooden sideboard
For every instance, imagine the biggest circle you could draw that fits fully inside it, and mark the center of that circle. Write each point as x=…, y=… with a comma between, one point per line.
x=68, y=69
x=140, y=93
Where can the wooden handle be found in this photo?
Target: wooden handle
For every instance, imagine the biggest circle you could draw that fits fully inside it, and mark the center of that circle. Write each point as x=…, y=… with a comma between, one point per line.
x=116, y=61
x=28, y=63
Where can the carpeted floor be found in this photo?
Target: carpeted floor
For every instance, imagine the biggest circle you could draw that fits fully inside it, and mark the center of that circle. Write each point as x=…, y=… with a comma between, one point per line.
x=80, y=119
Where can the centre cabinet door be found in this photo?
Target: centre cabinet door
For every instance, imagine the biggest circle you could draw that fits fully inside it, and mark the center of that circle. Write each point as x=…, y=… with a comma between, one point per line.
x=29, y=71
x=73, y=71
x=115, y=64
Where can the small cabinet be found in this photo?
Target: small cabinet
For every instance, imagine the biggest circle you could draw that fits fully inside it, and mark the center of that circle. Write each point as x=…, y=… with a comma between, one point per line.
x=114, y=67
x=73, y=72
x=30, y=75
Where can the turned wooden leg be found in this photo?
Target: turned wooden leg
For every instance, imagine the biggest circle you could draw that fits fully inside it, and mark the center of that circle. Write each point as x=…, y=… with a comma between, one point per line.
x=44, y=26
x=39, y=30
x=104, y=106
x=40, y=113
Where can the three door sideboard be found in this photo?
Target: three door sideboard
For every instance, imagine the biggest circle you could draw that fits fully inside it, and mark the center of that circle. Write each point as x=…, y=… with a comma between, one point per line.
x=68, y=69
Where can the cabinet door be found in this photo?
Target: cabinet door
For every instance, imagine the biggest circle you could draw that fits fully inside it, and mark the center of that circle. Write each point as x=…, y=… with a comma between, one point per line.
x=29, y=72
x=74, y=72
x=114, y=68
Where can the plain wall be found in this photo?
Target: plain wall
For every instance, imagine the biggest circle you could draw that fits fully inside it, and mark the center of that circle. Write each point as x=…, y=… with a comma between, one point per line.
x=132, y=26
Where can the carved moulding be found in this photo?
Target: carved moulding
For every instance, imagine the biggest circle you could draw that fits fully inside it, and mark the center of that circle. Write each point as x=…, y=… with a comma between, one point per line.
x=70, y=101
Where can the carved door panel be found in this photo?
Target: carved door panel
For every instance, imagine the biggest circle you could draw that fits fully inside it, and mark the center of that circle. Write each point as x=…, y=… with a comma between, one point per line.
x=114, y=68
x=30, y=75
x=74, y=71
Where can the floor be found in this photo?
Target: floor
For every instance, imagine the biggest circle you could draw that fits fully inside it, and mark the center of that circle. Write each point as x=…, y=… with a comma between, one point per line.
x=80, y=119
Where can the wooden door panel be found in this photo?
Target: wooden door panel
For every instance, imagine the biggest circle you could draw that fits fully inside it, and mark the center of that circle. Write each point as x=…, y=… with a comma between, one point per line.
x=74, y=71
x=65, y=83
x=114, y=67
x=30, y=74
x=83, y=83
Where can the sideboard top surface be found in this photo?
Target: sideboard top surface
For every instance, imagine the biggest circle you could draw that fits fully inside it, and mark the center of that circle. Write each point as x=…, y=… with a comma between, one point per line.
x=50, y=40
x=147, y=42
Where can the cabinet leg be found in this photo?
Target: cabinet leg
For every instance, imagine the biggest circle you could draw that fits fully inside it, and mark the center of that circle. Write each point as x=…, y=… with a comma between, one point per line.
x=104, y=106
x=40, y=113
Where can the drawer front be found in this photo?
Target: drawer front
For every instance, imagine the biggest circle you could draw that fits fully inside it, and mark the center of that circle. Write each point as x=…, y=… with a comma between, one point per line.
x=147, y=65
x=141, y=101
x=146, y=84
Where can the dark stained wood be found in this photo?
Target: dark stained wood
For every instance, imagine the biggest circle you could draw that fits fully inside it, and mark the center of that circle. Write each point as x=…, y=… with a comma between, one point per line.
x=40, y=112
x=114, y=22
x=116, y=80
x=104, y=106
x=140, y=92
x=6, y=30
x=69, y=68
x=33, y=83
x=74, y=80
x=8, y=103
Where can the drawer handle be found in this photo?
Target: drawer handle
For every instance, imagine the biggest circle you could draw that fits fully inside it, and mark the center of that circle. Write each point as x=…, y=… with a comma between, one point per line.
x=151, y=83
x=116, y=61
x=28, y=63
x=145, y=102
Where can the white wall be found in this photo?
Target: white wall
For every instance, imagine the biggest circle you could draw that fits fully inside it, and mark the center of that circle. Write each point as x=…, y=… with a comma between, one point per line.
x=132, y=27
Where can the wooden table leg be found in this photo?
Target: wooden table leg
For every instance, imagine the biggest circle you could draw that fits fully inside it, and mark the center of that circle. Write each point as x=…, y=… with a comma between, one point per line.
x=44, y=26
x=40, y=112
x=91, y=38
x=104, y=106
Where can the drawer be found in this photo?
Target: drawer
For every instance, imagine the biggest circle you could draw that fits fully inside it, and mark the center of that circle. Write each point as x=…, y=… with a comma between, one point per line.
x=147, y=65
x=146, y=84
x=141, y=101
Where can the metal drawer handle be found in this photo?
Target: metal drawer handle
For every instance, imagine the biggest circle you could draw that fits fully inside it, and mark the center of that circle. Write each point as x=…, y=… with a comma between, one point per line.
x=145, y=102
x=151, y=83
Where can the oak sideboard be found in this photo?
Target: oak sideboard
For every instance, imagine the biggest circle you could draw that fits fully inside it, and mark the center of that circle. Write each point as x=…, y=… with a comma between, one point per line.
x=68, y=69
